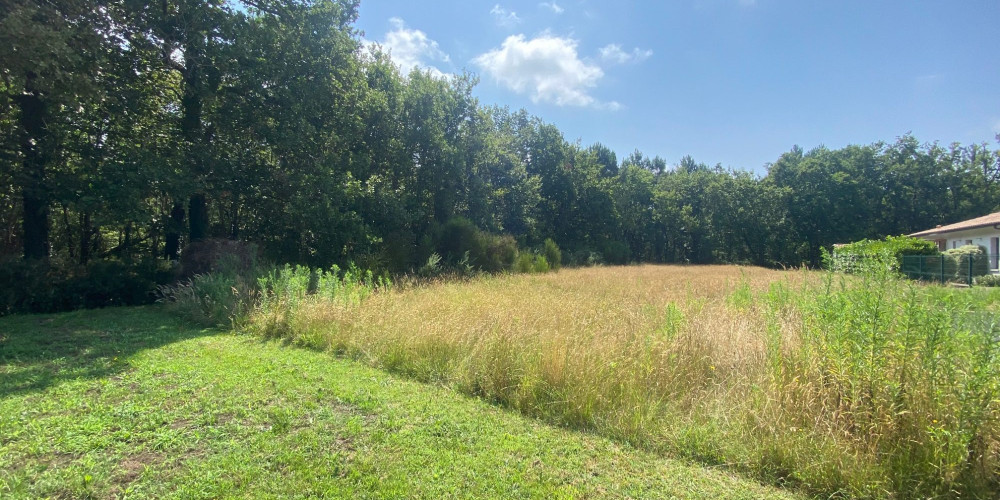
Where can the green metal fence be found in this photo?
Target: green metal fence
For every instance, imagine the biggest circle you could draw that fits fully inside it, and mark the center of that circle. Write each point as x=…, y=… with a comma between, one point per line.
x=949, y=268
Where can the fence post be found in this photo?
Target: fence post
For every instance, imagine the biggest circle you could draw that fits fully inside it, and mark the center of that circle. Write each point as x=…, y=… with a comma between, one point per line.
x=942, y=269
x=971, y=258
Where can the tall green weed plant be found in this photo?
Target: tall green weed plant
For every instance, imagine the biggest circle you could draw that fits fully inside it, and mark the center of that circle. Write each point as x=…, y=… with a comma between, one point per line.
x=905, y=373
x=284, y=291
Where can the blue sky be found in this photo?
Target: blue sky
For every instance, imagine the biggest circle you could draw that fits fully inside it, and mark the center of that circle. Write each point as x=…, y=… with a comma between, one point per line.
x=736, y=82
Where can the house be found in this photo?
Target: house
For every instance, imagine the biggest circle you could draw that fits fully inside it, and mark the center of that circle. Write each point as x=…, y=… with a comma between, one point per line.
x=982, y=231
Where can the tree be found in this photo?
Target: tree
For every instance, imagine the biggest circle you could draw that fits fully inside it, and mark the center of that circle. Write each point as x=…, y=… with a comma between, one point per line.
x=50, y=52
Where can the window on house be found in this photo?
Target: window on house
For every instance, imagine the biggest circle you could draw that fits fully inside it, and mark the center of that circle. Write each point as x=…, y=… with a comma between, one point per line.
x=968, y=242
x=994, y=252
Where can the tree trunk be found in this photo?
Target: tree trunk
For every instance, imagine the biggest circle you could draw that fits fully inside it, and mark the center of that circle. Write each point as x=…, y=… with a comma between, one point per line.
x=175, y=226
x=35, y=222
x=198, y=213
x=191, y=130
x=85, y=234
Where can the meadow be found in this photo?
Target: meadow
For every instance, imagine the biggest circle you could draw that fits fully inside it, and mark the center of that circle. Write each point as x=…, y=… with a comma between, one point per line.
x=857, y=386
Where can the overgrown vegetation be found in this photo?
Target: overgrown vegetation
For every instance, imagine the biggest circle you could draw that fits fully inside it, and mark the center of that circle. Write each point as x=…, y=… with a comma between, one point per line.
x=913, y=257
x=988, y=280
x=867, y=385
x=867, y=255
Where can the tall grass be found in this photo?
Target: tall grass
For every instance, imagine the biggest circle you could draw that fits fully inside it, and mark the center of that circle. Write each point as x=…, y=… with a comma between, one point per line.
x=864, y=386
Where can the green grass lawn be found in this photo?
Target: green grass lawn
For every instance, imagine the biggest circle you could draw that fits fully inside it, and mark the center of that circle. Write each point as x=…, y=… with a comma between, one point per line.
x=137, y=403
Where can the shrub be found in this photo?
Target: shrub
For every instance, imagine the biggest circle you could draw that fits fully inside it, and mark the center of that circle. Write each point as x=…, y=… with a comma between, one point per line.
x=860, y=256
x=616, y=252
x=458, y=236
x=432, y=267
x=541, y=264
x=967, y=255
x=465, y=248
x=29, y=287
x=530, y=262
x=221, y=298
x=586, y=258
x=552, y=254
x=40, y=287
x=991, y=280
x=525, y=263
x=497, y=252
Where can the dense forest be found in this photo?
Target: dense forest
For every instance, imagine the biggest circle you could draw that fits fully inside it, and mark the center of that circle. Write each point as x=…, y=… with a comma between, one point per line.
x=129, y=129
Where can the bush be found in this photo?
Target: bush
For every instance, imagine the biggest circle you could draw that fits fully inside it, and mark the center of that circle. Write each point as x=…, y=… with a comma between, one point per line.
x=991, y=280
x=860, y=256
x=586, y=258
x=541, y=264
x=497, y=252
x=458, y=236
x=525, y=263
x=529, y=262
x=206, y=256
x=465, y=248
x=40, y=287
x=969, y=254
x=552, y=254
x=616, y=252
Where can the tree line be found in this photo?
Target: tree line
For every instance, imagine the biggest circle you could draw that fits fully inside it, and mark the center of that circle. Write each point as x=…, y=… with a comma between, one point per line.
x=130, y=129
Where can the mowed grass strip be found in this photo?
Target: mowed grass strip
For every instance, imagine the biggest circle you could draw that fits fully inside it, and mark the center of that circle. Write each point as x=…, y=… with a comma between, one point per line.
x=136, y=403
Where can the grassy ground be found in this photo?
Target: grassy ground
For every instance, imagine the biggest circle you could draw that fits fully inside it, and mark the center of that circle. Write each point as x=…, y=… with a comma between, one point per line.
x=136, y=403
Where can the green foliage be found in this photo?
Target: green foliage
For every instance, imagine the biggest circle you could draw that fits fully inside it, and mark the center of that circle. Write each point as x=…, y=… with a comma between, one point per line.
x=586, y=258
x=463, y=245
x=530, y=262
x=970, y=260
x=525, y=262
x=223, y=297
x=39, y=287
x=284, y=291
x=498, y=252
x=432, y=267
x=541, y=264
x=882, y=354
x=862, y=255
x=989, y=280
x=458, y=237
x=552, y=254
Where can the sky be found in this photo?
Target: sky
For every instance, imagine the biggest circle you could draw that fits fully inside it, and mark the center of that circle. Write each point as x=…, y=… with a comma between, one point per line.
x=730, y=82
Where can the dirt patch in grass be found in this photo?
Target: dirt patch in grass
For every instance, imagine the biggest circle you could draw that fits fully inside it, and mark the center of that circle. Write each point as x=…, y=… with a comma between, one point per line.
x=132, y=466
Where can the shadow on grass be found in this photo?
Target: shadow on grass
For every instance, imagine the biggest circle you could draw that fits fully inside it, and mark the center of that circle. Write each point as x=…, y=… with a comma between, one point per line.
x=40, y=351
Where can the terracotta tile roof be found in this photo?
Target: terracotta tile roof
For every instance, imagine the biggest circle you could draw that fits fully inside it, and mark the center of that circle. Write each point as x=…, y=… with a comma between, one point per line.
x=984, y=221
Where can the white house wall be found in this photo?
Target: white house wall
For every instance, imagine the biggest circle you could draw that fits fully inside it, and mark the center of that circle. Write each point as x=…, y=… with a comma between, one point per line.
x=980, y=237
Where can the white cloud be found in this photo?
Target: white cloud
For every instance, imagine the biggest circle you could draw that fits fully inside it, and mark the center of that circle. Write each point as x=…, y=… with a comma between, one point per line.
x=554, y=7
x=613, y=53
x=505, y=18
x=546, y=67
x=412, y=48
